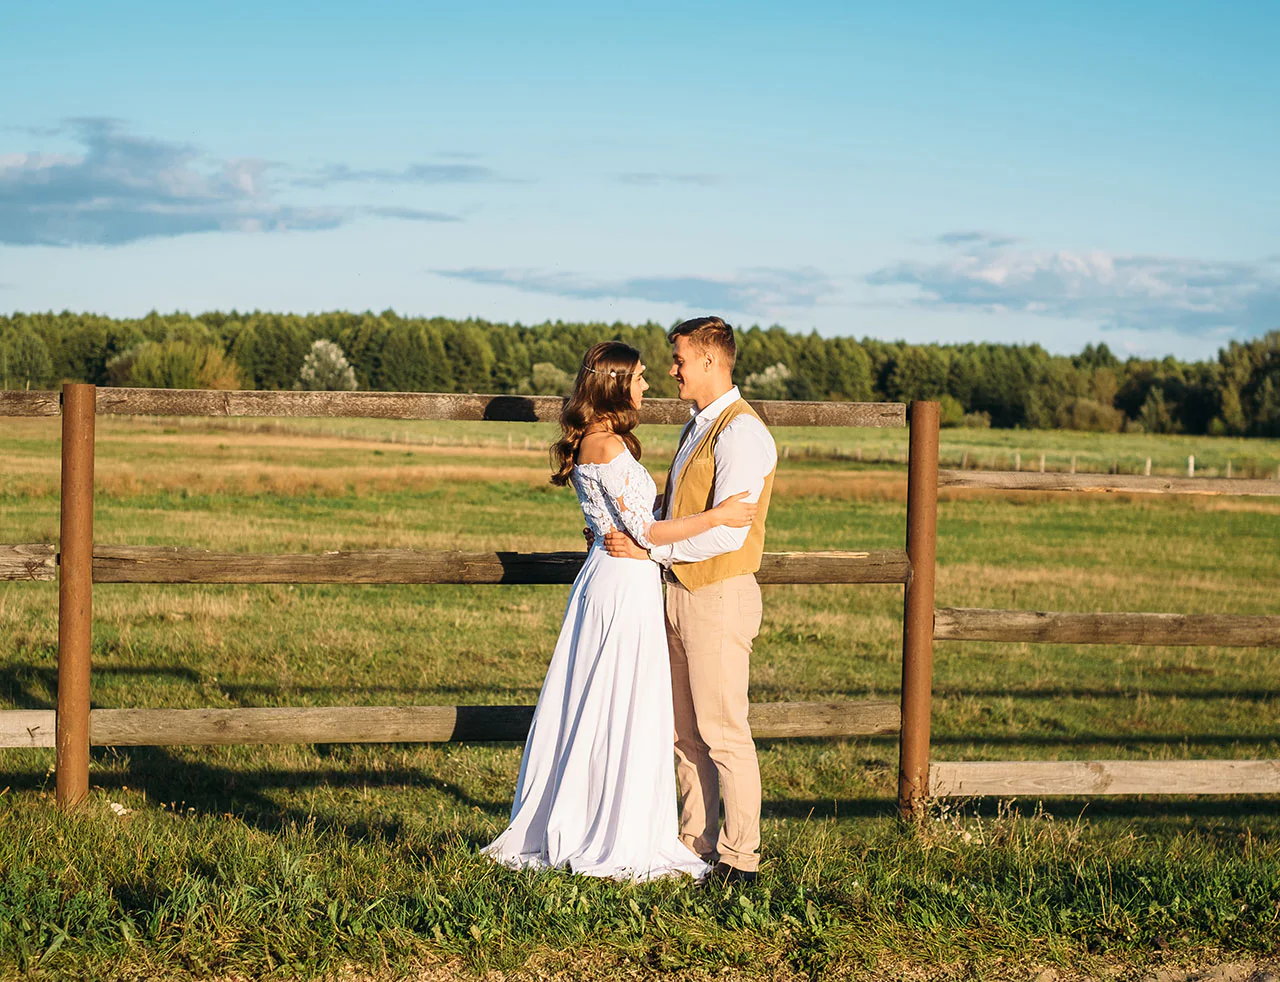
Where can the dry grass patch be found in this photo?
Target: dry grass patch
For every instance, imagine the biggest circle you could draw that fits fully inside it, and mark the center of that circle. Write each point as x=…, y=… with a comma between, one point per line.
x=969, y=584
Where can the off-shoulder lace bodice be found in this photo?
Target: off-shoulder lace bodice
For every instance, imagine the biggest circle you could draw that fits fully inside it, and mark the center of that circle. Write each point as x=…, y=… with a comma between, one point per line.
x=618, y=495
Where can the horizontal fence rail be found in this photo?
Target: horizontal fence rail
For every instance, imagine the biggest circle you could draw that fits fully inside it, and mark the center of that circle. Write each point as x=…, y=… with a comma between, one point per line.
x=20, y=403
x=1034, y=481
x=398, y=724
x=426, y=405
x=162, y=564
x=32, y=561
x=1052, y=627
x=1003, y=778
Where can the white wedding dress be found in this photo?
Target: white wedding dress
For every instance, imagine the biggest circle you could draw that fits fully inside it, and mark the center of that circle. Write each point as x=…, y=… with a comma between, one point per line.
x=597, y=789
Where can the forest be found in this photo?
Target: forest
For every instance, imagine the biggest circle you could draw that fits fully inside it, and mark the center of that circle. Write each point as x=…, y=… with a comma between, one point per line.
x=979, y=384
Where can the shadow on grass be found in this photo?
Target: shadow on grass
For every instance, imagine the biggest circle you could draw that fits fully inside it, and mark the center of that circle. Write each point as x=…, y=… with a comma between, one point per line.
x=773, y=694
x=36, y=686
x=240, y=690
x=1248, y=695
x=1161, y=809
x=248, y=793
x=1129, y=807
x=1104, y=740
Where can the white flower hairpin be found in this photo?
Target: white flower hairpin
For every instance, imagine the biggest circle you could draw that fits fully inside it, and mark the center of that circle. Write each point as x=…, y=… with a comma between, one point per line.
x=613, y=372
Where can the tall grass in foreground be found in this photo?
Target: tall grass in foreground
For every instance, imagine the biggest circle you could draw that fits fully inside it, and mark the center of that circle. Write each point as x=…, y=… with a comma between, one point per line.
x=170, y=890
x=298, y=860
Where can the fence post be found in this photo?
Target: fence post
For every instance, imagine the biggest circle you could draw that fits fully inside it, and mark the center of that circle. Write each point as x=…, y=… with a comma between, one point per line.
x=917, y=620
x=75, y=587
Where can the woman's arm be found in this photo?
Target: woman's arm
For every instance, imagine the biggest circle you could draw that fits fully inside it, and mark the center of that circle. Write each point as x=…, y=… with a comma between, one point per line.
x=733, y=512
x=636, y=514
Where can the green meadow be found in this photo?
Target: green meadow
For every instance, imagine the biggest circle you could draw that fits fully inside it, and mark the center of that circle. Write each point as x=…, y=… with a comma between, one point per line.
x=360, y=861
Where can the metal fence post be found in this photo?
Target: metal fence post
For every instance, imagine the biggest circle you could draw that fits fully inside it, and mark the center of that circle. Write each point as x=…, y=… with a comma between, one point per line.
x=75, y=587
x=917, y=621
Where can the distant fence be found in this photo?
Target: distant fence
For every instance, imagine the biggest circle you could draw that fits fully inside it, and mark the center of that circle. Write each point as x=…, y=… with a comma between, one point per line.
x=73, y=726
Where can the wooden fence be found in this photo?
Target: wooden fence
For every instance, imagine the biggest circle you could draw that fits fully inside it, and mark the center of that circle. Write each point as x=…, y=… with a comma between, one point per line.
x=73, y=727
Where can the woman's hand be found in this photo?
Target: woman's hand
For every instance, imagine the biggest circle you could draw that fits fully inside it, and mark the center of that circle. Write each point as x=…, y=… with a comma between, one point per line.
x=735, y=512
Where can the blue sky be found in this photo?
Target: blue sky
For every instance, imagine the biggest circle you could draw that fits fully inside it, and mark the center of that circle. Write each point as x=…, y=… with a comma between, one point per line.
x=1063, y=173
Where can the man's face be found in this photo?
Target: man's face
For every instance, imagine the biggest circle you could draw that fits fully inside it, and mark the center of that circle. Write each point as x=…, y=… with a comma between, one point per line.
x=689, y=367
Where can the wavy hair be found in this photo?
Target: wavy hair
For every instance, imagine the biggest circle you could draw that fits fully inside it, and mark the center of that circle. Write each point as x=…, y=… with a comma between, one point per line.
x=601, y=393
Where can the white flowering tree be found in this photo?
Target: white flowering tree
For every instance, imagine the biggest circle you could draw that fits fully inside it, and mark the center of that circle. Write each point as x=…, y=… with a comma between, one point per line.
x=326, y=369
x=769, y=384
x=546, y=379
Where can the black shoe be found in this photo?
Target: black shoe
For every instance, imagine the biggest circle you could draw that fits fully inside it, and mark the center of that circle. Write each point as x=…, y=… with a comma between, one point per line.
x=722, y=874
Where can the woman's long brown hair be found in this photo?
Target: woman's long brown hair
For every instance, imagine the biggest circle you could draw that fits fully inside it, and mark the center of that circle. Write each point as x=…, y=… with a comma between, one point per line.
x=601, y=393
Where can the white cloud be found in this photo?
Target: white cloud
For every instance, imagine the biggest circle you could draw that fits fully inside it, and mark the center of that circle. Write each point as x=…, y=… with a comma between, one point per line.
x=413, y=174
x=751, y=291
x=124, y=188
x=994, y=274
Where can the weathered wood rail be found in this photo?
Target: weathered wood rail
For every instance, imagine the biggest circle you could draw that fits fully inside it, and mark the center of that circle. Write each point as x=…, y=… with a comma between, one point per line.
x=32, y=561
x=1054, y=627
x=424, y=405
x=398, y=724
x=1045, y=778
x=164, y=564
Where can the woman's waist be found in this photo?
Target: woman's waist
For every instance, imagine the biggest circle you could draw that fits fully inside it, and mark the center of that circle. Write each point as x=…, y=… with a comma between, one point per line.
x=597, y=553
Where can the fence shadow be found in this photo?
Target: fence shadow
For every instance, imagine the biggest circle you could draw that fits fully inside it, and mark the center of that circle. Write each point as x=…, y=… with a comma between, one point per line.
x=510, y=409
x=1078, y=692
x=767, y=694
x=247, y=793
x=1102, y=739
x=36, y=686
x=240, y=690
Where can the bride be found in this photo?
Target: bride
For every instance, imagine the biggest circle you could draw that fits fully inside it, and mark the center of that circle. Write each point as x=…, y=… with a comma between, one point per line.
x=596, y=791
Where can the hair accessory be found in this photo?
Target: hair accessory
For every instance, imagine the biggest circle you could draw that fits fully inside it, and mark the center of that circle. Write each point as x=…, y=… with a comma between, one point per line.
x=613, y=372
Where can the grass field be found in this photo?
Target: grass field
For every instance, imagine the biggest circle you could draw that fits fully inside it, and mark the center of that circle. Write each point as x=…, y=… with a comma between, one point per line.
x=302, y=860
x=974, y=448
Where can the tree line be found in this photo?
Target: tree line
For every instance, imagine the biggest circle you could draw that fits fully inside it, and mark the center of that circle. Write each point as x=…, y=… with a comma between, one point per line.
x=1002, y=385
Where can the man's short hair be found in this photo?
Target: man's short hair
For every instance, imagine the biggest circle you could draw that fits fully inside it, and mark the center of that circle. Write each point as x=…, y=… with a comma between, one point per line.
x=708, y=332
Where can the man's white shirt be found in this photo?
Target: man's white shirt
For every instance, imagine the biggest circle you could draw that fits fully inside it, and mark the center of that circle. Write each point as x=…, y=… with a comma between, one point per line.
x=745, y=454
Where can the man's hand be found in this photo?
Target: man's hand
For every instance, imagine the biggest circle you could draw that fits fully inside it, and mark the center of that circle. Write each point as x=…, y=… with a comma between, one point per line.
x=622, y=546
x=589, y=536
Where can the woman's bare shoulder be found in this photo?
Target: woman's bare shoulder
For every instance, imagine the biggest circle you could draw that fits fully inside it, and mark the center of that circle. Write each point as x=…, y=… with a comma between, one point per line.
x=600, y=448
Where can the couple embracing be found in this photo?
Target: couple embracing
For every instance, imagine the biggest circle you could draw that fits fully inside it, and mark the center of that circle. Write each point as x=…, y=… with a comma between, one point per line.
x=597, y=790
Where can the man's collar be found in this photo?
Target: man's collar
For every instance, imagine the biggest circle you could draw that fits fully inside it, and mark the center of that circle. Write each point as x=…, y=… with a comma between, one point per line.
x=716, y=408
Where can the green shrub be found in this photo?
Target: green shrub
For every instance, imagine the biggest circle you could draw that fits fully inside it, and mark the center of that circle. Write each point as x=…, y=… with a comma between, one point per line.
x=952, y=413
x=1087, y=414
x=174, y=364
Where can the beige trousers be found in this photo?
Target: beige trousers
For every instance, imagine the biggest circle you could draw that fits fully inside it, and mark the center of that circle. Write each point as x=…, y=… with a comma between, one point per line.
x=709, y=633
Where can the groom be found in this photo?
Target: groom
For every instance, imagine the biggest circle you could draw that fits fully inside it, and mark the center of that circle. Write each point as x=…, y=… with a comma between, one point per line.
x=713, y=600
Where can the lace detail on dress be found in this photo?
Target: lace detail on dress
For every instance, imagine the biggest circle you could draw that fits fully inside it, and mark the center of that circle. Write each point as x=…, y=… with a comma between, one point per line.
x=617, y=495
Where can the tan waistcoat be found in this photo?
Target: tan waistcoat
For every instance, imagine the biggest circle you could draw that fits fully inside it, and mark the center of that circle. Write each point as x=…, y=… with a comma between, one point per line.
x=694, y=492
